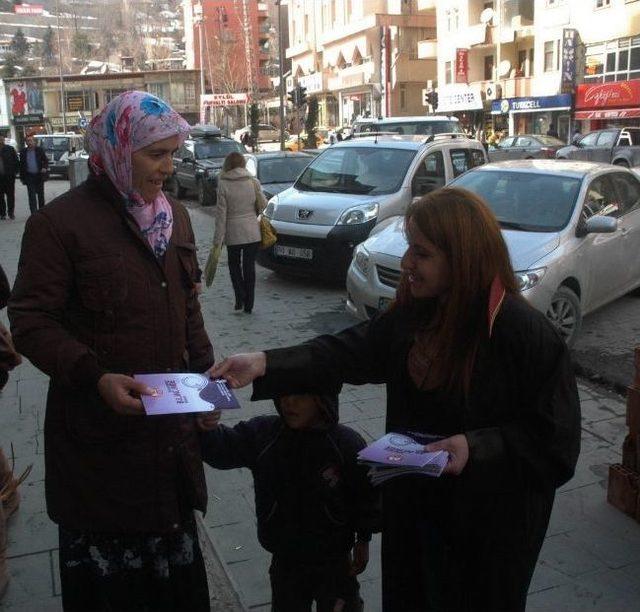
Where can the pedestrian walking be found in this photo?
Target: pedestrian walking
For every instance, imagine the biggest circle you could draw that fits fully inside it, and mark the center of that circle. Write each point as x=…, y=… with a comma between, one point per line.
x=552, y=131
x=34, y=169
x=9, y=165
x=240, y=201
x=463, y=356
x=315, y=508
x=106, y=288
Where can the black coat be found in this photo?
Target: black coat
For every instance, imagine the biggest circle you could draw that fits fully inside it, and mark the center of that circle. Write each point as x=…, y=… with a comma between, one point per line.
x=311, y=495
x=41, y=161
x=466, y=543
x=10, y=162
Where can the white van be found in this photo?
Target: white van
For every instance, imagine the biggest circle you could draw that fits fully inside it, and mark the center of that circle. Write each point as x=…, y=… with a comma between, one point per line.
x=421, y=125
x=58, y=147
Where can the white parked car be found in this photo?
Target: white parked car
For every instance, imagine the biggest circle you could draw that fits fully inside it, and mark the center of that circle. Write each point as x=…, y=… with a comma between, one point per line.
x=572, y=230
x=351, y=187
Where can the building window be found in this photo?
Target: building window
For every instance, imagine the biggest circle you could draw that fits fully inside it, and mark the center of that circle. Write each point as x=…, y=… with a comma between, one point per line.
x=110, y=94
x=602, y=4
x=522, y=63
x=531, y=56
x=549, y=64
x=403, y=97
x=190, y=93
x=80, y=101
x=448, y=69
x=160, y=90
x=488, y=67
x=617, y=60
x=453, y=20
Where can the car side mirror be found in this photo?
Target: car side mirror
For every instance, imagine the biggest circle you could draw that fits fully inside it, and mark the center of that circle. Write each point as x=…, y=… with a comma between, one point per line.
x=598, y=224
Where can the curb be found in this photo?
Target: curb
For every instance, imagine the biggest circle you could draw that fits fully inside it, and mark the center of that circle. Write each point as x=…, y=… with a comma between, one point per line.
x=223, y=592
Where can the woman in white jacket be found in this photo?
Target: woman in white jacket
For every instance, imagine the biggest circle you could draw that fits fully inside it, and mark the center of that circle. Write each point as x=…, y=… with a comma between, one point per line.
x=240, y=201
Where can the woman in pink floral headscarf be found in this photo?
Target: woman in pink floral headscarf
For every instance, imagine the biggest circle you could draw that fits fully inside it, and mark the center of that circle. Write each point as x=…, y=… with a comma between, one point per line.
x=106, y=289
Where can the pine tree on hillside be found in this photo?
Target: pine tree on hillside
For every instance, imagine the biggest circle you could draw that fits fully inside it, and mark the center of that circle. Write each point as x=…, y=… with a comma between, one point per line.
x=19, y=45
x=9, y=68
x=48, y=48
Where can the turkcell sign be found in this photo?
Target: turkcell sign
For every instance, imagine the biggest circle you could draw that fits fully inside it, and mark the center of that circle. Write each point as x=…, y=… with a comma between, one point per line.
x=527, y=105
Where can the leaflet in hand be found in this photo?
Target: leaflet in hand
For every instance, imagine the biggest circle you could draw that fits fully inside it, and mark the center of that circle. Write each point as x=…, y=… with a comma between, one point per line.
x=397, y=454
x=177, y=393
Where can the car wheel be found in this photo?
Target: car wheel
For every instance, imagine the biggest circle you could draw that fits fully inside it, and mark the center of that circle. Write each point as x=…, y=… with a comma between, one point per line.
x=177, y=190
x=621, y=162
x=565, y=314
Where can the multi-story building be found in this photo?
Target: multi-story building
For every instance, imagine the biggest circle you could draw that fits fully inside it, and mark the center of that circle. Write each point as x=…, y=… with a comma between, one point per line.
x=35, y=103
x=359, y=56
x=234, y=39
x=522, y=65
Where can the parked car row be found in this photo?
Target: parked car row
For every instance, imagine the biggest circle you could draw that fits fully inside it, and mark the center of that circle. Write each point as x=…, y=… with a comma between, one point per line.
x=572, y=229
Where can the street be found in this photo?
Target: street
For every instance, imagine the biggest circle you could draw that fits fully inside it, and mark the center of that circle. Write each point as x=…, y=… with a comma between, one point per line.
x=591, y=556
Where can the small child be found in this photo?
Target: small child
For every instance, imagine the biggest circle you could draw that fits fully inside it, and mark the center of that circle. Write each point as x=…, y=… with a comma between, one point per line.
x=315, y=507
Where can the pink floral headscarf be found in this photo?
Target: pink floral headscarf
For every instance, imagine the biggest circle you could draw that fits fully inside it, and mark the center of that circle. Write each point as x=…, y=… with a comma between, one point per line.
x=132, y=121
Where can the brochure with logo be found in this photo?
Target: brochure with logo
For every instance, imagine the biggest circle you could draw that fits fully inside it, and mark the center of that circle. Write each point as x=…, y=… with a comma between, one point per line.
x=398, y=454
x=178, y=393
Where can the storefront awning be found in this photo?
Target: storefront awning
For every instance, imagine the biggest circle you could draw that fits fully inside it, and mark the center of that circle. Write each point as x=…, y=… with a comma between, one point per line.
x=619, y=113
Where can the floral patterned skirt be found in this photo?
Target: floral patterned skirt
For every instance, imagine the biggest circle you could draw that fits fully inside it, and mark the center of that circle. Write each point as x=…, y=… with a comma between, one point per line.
x=132, y=572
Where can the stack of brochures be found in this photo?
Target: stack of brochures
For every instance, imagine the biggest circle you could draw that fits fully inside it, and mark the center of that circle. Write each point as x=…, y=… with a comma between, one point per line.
x=398, y=454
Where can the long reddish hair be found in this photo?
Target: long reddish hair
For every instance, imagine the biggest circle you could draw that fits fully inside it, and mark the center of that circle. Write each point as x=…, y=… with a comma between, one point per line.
x=463, y=227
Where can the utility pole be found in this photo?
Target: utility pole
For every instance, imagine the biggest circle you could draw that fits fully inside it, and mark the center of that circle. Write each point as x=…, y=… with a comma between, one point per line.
x=198, y=13
x=63, y=96
x=281, y=73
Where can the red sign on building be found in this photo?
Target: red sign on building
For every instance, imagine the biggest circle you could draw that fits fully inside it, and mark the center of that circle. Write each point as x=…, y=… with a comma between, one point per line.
x=462, y=66
x=600, y=96
x=28, y=9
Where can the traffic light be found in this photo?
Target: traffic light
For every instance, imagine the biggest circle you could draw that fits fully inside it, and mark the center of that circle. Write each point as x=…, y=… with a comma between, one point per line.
x=302, y=95
x=432, y=99
x=293, y=97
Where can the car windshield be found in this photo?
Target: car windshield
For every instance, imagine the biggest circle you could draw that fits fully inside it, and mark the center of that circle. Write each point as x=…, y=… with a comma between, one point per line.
x=281, y=169
x=527, y=201
x=415, y=128
x=55, y=144
x=358, y=170
x=216, y=148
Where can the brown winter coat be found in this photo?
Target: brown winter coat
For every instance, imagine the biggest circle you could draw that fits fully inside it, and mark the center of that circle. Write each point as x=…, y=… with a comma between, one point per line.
x=90, y=297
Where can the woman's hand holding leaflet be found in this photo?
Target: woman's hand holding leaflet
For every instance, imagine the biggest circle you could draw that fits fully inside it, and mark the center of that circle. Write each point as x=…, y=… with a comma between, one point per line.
x=458, y=449
x=121, y=393
x=241, y=369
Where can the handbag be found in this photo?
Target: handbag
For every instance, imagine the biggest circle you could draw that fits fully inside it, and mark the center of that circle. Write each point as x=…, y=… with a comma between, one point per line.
x=268, y=235
x=211, y=266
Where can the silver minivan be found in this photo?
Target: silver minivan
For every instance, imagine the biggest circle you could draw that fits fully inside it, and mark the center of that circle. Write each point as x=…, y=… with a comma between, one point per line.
x=58, y=148
x=353, y=186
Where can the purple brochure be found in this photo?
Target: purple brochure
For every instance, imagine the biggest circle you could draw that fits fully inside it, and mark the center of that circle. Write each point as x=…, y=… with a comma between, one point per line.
x=396, y=449
x=177, y=393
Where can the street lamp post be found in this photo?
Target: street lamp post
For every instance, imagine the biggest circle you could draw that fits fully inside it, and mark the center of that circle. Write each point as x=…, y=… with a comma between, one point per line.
x=281, y=74
x=63, y=104
x=198, y=13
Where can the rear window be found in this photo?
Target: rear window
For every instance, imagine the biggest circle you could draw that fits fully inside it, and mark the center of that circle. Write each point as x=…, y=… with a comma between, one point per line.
x=418, y=128
x=58, y=144
x=207, y=148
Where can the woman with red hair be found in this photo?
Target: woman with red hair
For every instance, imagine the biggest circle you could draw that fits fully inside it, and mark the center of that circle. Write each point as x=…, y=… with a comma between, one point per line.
x=464, y=357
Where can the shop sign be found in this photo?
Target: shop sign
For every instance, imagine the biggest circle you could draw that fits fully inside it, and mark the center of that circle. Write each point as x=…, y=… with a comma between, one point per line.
x=530, y=105
x=224, y=99
x=28, y=9
x=28, y=119
x=452, y=98
x=462, y=66
x=75, y=102
x=313, y=82
x=629, y=113
x=569, y=50
x=608, y=95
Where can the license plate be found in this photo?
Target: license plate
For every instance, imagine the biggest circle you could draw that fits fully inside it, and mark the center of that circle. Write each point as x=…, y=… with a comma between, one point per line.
x=384, y=303
x=293, y=252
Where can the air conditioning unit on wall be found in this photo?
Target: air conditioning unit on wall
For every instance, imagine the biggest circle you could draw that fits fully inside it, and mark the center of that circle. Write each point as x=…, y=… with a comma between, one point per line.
x=492, y=91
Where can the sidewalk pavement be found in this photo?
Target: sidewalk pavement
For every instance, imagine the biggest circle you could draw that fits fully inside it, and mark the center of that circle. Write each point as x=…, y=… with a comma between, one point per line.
x=591, y=556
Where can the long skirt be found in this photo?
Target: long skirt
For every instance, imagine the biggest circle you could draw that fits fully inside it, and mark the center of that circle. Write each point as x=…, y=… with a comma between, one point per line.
x=132, y=572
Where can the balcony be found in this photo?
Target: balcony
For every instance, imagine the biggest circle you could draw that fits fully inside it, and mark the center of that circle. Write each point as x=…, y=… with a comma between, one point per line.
x=408, y=69
x=517, y=87
x=298, y=49
x=428, y=49
x=352, y=76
